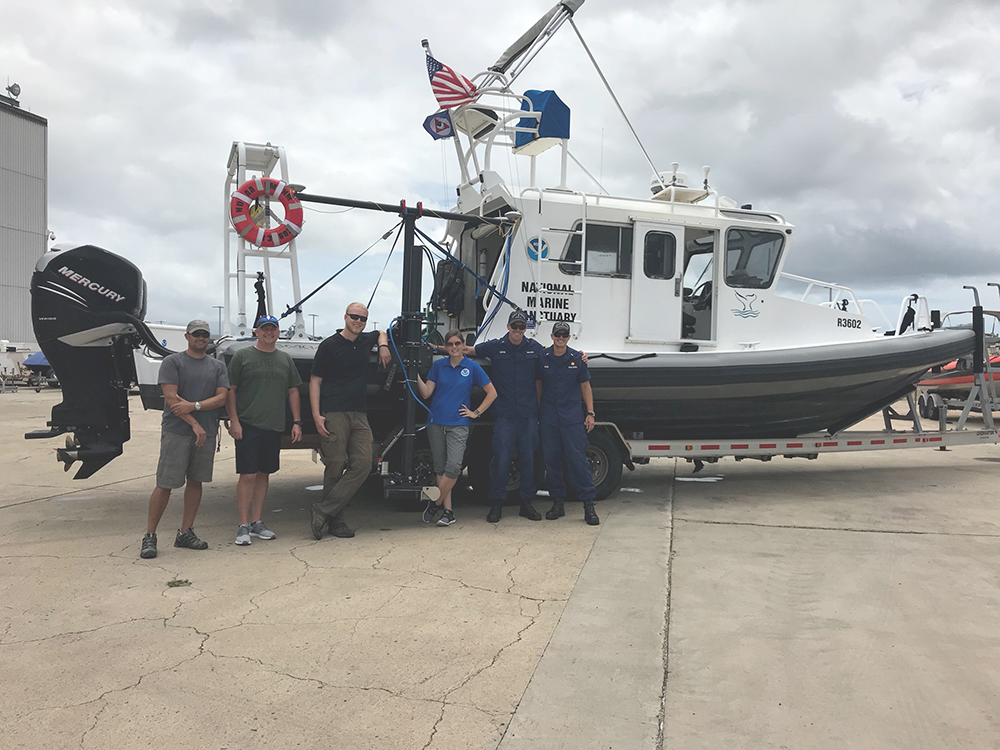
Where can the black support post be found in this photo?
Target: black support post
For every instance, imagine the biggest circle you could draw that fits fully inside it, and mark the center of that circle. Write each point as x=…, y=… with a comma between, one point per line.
x=412, y=322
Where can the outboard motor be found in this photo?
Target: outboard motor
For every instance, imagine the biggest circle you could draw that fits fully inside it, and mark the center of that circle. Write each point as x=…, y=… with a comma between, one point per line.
x=87, y=307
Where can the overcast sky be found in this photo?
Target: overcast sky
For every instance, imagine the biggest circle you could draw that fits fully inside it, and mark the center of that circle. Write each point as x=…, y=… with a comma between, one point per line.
x=870, y=126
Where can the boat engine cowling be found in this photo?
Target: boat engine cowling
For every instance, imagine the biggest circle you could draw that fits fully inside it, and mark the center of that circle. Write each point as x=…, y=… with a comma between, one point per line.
x=87, y=306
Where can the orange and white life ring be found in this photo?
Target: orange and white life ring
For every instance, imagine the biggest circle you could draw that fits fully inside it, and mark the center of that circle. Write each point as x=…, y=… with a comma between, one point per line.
x=242, y=202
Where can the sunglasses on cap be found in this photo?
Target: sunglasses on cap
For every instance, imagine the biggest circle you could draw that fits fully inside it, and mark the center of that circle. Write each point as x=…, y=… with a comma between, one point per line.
x=355, y=316
x=561, y=334
x=267, y=320
x=518, y=327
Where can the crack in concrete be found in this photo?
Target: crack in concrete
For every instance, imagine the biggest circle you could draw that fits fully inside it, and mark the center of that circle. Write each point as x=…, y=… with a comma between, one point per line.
x=850, y=529
x=132, y=686
x=90, y=488
x=88, y=631
x=662, y=715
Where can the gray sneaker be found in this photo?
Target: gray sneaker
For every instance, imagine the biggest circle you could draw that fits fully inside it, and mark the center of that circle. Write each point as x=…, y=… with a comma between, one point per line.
x=189, y=539
x=447, y=518
x=259, y=530
x=148, y=551
x=431, y=511
x=243, y=535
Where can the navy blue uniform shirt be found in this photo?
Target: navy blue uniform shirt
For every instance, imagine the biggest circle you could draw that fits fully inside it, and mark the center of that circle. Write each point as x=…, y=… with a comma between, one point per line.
x=513, y=375
x=562, y=402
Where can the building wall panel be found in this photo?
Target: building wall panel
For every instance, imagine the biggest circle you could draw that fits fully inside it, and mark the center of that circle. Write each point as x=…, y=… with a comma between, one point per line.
x=23, y=216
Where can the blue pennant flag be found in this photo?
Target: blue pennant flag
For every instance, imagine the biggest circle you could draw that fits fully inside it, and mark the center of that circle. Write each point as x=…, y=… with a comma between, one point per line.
x=439, y=125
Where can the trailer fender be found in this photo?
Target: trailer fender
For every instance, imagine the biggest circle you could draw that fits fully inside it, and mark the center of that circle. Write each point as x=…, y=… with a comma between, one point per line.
x=616, y=436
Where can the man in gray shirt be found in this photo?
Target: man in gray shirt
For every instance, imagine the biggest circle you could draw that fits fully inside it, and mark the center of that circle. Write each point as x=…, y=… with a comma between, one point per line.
x=194, y=387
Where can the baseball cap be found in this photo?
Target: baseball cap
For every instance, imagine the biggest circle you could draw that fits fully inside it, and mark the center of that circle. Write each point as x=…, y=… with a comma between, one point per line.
x=266, y=320
x=560, y=326
x=198, y=325
x=518, y=316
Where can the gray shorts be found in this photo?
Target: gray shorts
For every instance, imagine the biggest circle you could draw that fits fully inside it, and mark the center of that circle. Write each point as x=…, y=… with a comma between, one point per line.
x=448, y=447
x=181, y=459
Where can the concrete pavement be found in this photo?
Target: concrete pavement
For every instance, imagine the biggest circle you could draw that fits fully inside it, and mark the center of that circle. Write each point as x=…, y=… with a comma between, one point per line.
x=846, y=602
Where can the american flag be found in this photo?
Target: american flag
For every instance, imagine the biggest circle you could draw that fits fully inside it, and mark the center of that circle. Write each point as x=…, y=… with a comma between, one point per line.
x=450, y=89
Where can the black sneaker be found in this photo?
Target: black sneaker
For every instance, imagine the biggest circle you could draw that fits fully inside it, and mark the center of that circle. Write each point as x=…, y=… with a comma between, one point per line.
x=189, y=539
x=148, y=551
x=340, y=529
x=496, y=512
x=317, y=522
x=447, y=518
x=430, y=512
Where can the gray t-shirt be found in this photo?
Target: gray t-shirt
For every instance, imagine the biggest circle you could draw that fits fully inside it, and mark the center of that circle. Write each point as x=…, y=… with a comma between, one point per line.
x=196, y=380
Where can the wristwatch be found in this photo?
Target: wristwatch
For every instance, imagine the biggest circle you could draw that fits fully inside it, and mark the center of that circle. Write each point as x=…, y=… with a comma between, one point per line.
x=591, y=414
x=298, y=422
x=197, y=405
x=476, y=412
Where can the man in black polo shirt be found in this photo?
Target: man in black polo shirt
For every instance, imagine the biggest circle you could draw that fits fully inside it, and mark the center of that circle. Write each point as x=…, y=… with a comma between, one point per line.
x=339, y=408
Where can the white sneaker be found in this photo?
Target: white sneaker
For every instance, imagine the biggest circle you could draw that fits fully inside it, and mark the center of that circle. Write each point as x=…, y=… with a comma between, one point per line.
x=243, y=535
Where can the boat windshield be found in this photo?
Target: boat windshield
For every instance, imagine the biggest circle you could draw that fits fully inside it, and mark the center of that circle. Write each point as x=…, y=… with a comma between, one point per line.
x=752, y=257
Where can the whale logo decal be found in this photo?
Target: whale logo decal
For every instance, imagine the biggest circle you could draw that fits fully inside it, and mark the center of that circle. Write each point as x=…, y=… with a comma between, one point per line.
x=747, y=300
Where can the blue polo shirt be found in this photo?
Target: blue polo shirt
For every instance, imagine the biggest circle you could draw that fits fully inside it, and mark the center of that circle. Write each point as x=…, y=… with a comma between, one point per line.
x=513, y=373
x=453, y=388
x=562, y=402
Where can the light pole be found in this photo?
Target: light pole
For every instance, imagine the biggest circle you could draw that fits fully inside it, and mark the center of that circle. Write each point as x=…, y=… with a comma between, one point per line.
x=314, y=316
x=220, y=309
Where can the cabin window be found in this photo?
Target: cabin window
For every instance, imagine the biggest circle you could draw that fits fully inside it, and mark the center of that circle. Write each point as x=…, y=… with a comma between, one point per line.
x=658, y=253
x=752, y=257
x=609, y=251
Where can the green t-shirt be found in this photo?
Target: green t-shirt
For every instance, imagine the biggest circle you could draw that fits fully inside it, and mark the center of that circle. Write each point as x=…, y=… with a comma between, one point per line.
x=262, y=381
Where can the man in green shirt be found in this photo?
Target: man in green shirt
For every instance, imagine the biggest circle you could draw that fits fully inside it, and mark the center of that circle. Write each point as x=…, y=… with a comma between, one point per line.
x=260, y=378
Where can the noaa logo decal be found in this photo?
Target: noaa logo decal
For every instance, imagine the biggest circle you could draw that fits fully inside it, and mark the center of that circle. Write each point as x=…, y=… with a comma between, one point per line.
x=465, y=372
x=747, y=300
x=532, y=248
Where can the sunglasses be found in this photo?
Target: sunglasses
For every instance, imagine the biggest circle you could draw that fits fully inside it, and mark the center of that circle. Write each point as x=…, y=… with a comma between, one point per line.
x=200, y=334
x=454, y=343
x=518, y=326
x=362, y=318
x=561, y=334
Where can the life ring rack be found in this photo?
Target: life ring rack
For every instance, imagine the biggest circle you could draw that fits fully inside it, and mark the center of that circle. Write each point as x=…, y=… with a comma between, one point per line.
x=267, y=187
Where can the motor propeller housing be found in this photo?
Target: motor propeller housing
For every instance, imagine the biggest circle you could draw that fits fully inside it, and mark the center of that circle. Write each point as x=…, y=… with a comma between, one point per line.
x=87, y=306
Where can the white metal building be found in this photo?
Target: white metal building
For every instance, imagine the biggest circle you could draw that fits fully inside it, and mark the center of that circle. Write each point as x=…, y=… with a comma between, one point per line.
x=23, y=214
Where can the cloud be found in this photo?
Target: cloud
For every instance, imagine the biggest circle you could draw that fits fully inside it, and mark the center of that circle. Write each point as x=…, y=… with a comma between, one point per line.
x=870, y=126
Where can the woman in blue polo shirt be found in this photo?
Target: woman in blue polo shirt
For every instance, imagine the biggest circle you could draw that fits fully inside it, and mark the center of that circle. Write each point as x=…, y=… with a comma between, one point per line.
x=449, y=386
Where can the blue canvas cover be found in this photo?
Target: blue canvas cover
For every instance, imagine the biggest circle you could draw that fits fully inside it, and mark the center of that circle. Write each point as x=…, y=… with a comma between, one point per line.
x=555, y=117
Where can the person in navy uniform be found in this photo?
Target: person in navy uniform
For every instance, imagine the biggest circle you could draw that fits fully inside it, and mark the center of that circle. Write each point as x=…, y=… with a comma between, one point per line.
x=563, y=381
x=515, y=423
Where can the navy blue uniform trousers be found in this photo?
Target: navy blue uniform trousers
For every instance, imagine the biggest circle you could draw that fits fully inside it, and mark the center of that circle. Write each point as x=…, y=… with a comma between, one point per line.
x=508, y=433
x=565, y=450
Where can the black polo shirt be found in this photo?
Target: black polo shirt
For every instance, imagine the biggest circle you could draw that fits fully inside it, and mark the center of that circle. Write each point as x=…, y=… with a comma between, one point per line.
x=344, y=367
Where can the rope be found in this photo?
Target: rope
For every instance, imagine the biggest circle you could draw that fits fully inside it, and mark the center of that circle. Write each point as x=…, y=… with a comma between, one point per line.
x=388, y=258
x=297, y=307
x=617, y=104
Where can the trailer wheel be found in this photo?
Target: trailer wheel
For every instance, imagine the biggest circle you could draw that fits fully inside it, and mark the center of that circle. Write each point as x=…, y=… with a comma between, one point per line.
x=934, y=406
x=605, y=463
x=479, y=464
